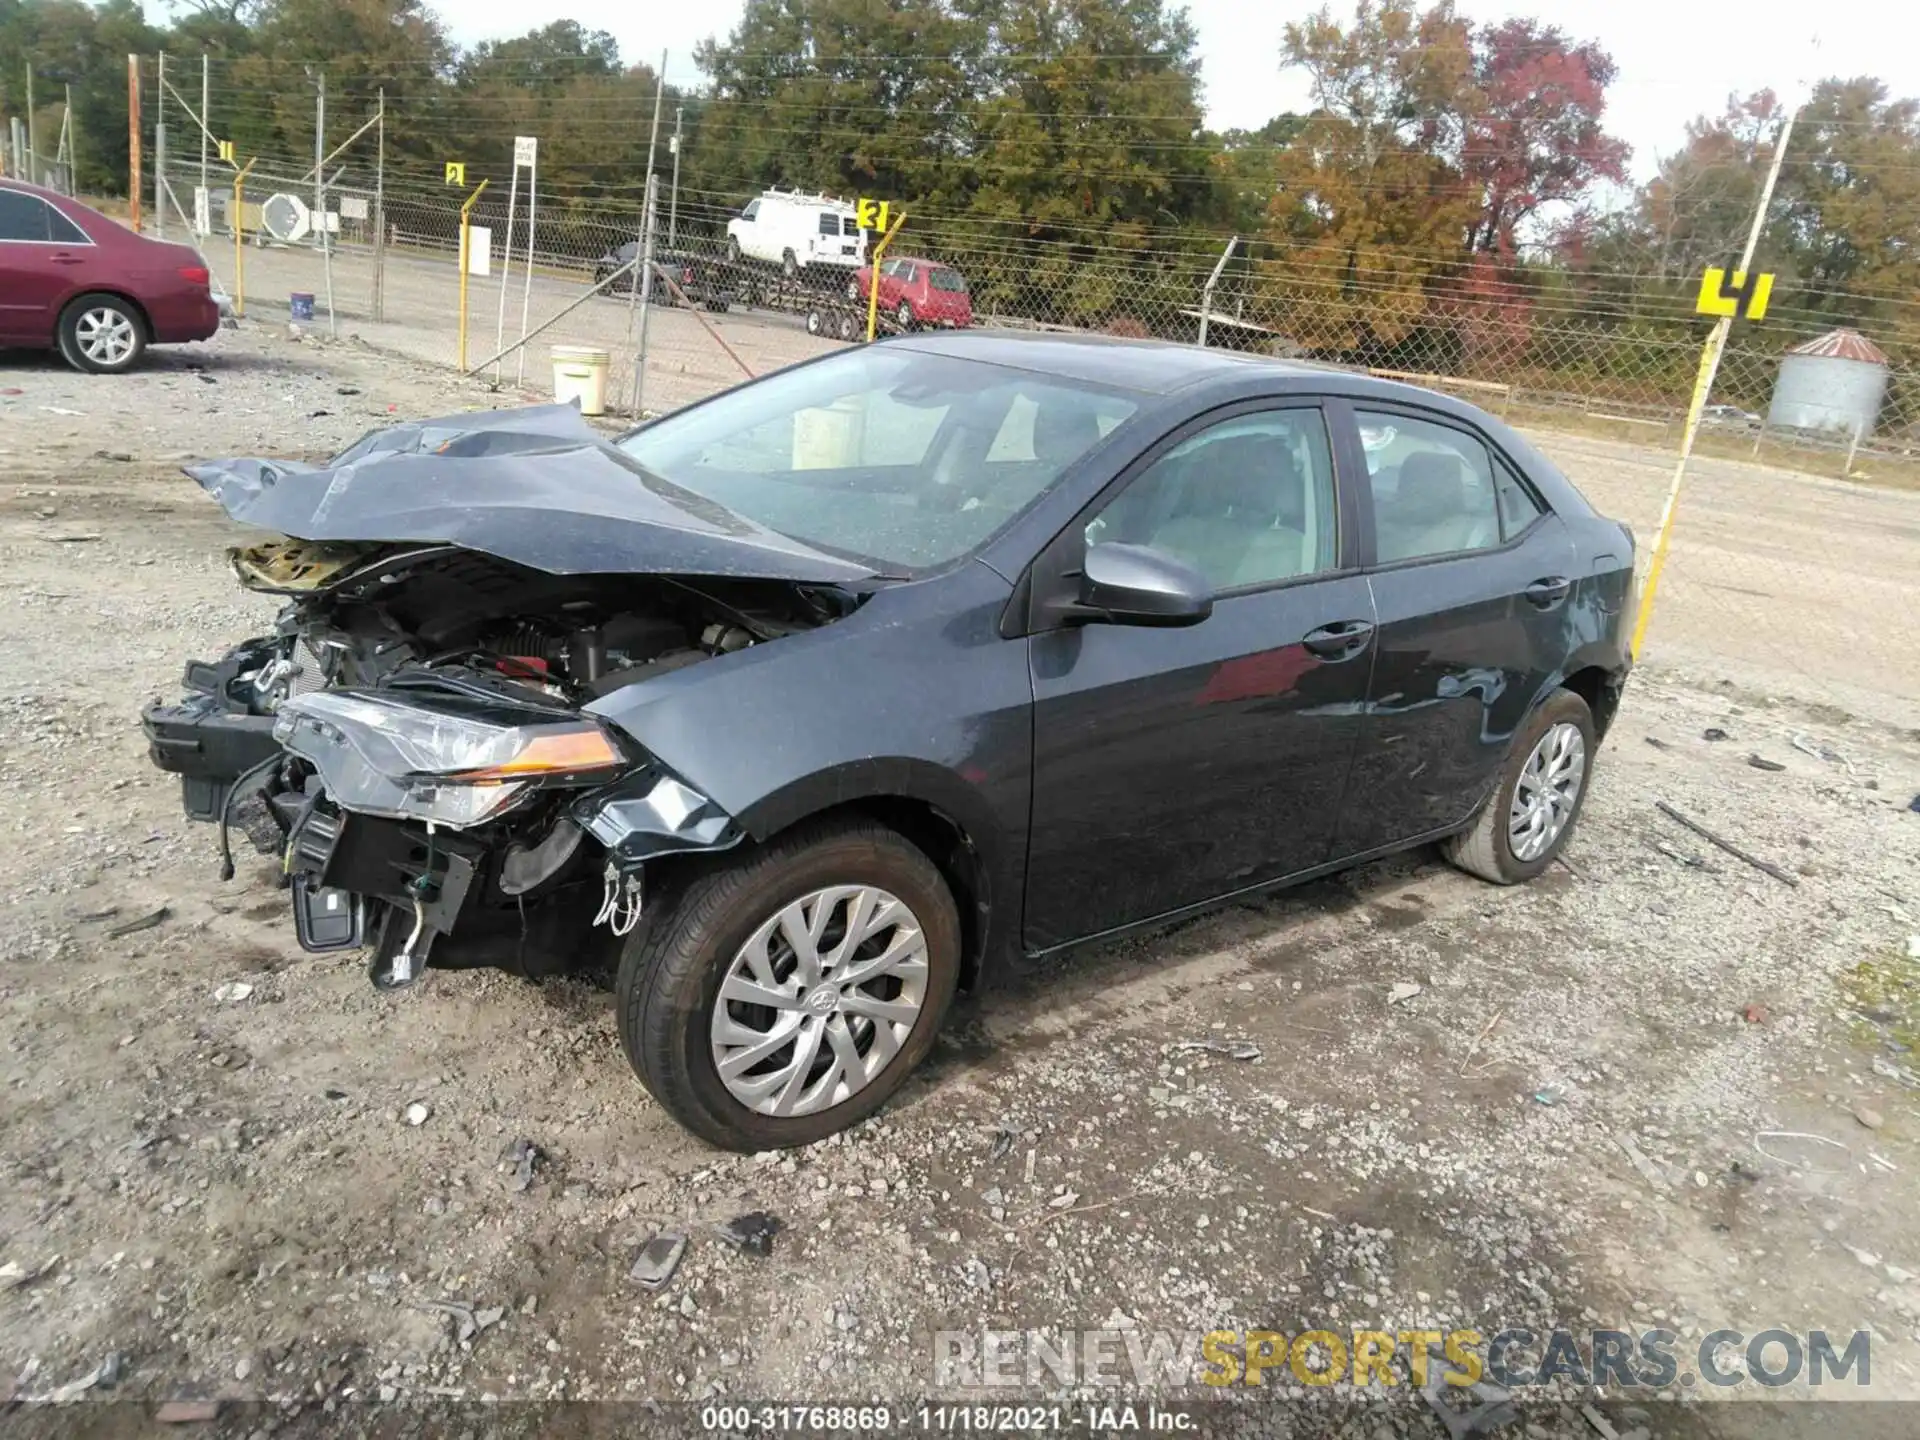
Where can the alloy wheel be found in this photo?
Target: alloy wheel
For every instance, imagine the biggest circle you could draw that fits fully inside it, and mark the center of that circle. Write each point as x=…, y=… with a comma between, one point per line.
x=105, y=335
x=1546, y=792
x=819, y=1000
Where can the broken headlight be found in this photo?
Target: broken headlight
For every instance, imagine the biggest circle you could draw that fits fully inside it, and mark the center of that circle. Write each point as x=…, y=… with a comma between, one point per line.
x=456, y=766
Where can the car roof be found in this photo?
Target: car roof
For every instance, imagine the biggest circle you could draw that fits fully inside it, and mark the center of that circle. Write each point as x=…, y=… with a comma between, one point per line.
x=1154, y=367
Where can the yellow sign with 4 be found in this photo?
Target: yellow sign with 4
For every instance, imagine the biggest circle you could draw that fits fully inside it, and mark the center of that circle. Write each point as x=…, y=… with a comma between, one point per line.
x=1738, y=293
x=872, y=214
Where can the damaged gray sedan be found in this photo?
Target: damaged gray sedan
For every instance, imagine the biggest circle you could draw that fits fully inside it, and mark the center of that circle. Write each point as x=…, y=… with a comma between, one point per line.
x=800, y=709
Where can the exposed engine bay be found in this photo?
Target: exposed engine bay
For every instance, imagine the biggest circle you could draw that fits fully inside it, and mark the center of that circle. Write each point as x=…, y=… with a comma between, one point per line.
x=408, y=742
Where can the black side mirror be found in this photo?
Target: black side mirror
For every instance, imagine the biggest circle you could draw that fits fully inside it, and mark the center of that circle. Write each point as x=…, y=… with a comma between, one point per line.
x=1138, y=585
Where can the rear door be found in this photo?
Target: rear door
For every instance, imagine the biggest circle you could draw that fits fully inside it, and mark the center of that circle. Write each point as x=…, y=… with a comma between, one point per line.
x=44, y=259
x=1470, y=582
x=1172, y=766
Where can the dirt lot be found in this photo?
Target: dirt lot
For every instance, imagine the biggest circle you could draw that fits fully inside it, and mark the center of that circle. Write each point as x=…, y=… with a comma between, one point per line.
x=1573, y=1120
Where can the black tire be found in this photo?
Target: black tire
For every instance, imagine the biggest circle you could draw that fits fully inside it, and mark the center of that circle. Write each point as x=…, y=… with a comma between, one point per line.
x=789, y=266
x=850, y=327
x=854, y=292
x=816, y=323
x=904, y=315
x=1485, y=847
x=672, y=968
x=87, y=316
x=733, y=250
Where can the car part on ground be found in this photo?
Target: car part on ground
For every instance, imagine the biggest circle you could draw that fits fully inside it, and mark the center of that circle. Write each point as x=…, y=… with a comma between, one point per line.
x=795, y=710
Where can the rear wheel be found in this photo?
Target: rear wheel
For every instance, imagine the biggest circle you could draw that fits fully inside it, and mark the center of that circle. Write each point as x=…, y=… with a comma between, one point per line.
x=733, y=249
x=904, y=315
x=786, y=996
x=789, y=265
x=102, y=333
x=1528, y=819
x=849, y=326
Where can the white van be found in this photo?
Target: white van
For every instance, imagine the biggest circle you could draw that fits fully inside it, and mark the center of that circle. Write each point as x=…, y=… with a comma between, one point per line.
x=794, y=231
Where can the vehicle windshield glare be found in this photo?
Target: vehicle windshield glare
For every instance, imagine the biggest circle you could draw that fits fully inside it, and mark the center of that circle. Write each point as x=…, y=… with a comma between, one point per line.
x=904, y=459
x=942, y=278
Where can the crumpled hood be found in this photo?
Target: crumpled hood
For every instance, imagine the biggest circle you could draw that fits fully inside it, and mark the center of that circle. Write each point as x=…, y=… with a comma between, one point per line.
x=536, y=486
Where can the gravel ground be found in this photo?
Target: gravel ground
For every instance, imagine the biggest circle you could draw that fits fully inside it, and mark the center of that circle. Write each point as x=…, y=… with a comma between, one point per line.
x=245, y=1176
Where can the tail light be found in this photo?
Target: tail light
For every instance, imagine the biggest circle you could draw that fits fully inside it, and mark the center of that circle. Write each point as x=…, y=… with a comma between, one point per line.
x=196, y=275
x=686, y=276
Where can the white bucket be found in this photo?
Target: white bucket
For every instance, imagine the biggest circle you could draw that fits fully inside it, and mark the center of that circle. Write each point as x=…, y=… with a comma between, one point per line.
x=580, y=373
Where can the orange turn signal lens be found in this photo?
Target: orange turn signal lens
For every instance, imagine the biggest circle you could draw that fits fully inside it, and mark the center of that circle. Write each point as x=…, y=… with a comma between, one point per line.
x=556, y=752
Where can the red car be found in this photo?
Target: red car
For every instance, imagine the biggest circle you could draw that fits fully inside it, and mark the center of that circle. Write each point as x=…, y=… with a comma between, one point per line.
x=917, y=292
x=75, y=281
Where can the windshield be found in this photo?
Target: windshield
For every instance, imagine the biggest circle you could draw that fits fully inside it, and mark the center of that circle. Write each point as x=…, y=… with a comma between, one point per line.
x=944, y=279
x=902, y=459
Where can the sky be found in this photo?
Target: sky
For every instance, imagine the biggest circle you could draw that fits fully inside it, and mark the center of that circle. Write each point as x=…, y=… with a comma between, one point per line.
x=1677, y=58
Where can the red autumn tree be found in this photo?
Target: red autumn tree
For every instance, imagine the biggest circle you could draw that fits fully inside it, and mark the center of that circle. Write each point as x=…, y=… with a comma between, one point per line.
x=1535, y=136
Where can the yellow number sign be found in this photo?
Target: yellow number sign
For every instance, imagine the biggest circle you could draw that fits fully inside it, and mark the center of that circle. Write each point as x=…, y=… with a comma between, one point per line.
x=872, y=214
x=226, y=150
x=1737, y=293
x=456, y=172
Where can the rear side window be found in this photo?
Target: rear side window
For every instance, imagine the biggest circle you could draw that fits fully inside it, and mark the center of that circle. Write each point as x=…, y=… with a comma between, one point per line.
x=1518, y=508
x=829, y=223
x=849, y=225
x=1433, y=488
x=942, y=278
x=28, y=217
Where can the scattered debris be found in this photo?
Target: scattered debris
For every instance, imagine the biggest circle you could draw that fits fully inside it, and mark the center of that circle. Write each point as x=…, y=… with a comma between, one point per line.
x=1811, y=747
x=521, y=1156
x=1546, y=1097
x=1732, y=849
x=1714, y=732
x=187, y=1412
x=1648, y=1170
x=1796, y=1135
x=145, y=922
x=1886, y=1067
x=103, y=1376
x=1656, y=744
x=1686, y=858
x=62, y=410
x=13, y=1276
x=1754, y=1013
x=1403, y=991
x=1913, y=947
x=1600, y=1423
x=418, y=1112
x=78, y=538
x=1031, y=1154
x=653, y=1267
x=232, y=992
x=468, y=1322
x=346, y=390
x=1759, y=762
x=1481, y=1039
x=1002, y=1146
x=752, y=1232
x=1232, y=1049
x=1869, y=1117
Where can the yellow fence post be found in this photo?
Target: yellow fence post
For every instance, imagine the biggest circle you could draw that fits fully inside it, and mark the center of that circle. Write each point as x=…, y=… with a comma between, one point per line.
x=239, y=241
x=466, y=242
x=873, y=275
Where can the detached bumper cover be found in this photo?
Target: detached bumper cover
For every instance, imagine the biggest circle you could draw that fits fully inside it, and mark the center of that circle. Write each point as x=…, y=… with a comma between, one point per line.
x=208, y=746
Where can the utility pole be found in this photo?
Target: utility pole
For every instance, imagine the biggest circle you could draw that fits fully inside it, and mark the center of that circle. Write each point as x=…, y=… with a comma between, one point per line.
x=160, y=148
x=320, y=158
x=205, y=120
x=133, y=141
x=70, y=135
x=1703, y=387
x=33, y=142
x=673, y=195
x=380, y=217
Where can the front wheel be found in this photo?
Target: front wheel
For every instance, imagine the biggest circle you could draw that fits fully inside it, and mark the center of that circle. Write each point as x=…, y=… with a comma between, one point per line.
x=904, y=315
x=1528, y=819
x=733, y=249
x=102, y=333
x=785, y=996
x=789, y=264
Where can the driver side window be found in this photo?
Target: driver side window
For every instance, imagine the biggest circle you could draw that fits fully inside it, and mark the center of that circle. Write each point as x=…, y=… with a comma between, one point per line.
x=1247, y=502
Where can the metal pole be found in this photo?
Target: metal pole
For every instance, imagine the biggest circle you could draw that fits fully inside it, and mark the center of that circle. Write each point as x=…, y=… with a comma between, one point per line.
x=1702, y=387
x=72, y=133
x=33, y=141
x=506, y=267
x=133, y=141
x=205, y=87
x=1206, y=291
x=326, y=253
x=239, y=240
x=526, y=284
x=319, y=158
x=653, y=138
x=673, y=196
x=873, y=275
x=643, y=283
x=160, y=149
x=380, y=221
x=466, y=256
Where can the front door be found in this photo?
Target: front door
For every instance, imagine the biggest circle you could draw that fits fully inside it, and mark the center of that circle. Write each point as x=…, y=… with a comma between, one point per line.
x=1174, y=766
x=1471, y=583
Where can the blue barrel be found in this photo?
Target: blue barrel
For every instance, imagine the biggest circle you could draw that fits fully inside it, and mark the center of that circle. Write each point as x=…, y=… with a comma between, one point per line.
x=302, y=305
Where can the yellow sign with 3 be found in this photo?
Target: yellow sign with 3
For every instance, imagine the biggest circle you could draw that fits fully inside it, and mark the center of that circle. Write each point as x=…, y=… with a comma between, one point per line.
x=1736, y=293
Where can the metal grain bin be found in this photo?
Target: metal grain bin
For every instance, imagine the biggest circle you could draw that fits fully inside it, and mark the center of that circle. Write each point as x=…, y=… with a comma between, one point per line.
x=1834, y=383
